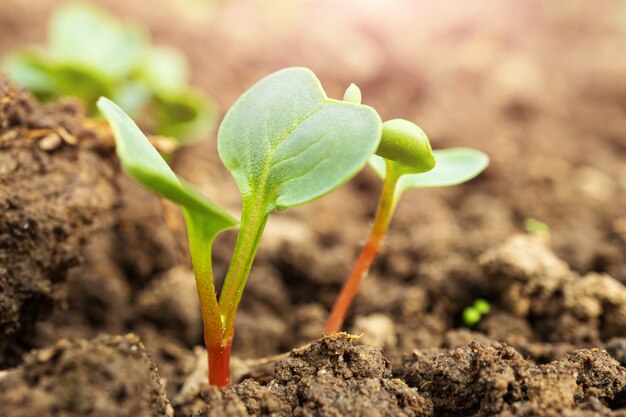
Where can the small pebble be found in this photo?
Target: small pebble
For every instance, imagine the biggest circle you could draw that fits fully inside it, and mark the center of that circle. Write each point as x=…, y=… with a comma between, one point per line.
x=50, y=142
x=68, y=137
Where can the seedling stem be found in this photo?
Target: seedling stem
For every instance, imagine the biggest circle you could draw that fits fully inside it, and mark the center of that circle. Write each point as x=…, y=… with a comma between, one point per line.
x=251, y=229
x=384, y=213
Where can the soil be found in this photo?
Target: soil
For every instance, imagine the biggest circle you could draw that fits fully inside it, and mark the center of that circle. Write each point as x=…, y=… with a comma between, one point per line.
x=109, y=376
x=329, y=377
x=52, y=197
x=539, y=87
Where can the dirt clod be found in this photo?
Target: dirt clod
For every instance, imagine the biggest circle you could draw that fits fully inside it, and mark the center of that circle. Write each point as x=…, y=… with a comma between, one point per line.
x=50, y=204
x=484, y=380
x=109, y=376
x=330, y=377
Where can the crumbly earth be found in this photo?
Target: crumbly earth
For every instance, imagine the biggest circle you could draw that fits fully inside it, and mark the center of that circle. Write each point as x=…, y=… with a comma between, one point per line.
x=329, y=377
x=484, y=380
x=108, y=376
x=55, y=191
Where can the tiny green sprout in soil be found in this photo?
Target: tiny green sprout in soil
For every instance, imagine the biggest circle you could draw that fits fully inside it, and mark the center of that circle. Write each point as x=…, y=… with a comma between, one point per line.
x=536, y=227
x=90, y=54
x=474, y=313
x=403, y=160
x=286, y=144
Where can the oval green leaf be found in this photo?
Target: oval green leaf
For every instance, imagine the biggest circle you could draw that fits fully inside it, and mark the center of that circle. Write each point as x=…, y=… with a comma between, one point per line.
x=286, y=143
x=142, y=162
x=454, y=166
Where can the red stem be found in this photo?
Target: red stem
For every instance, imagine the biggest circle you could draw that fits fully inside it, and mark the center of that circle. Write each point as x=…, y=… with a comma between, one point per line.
x=351, y=286
x=219, y=364
x=362, y=266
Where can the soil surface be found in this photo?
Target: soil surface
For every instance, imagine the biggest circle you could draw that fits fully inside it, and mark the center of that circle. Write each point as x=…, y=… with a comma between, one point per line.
x=540, y=87
x=109, y=376
x=329, y=377
x=53, y=195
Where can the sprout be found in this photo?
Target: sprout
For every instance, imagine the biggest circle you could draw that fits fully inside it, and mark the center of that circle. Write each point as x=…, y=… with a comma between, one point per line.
x=285, y=144
x=91, y=54
x=474, y=313
x=536, y=227
x=404, y=161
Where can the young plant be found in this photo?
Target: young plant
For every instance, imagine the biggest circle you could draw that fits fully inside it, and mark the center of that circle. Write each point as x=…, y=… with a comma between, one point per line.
x=474, y=313
x=91, y=54
x=285, y=144
x=403, y=160
x=536, y=227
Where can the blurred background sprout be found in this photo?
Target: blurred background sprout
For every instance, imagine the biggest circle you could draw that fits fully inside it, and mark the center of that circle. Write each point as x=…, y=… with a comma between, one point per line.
x=474, y=313
x=536, y=227
x=90, y=54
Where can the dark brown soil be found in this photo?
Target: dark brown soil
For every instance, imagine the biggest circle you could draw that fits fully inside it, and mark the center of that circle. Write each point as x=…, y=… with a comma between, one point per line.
x=330, y=377
x=55, y=191
x=482, y=380
x=539, y=86
x=109, y=376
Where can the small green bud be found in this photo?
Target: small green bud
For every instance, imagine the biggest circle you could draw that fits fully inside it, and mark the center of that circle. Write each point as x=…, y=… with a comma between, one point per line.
x=352, y=94
x=536, y=227
x=405, y=142
x=483, y=306
x=471, y=316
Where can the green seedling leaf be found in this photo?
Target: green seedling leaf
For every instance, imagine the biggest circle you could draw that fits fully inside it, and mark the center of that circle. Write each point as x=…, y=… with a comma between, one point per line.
x=286, y=143
x=483, y=306
x=471, y=316
x=85, y=37
x=474, y=313
x=142, y=162
x=48, y=78
x=536, y=227
x=454, y=166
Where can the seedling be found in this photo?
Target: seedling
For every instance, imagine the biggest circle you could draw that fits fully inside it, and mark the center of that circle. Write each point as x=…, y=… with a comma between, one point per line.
x=474, y=313
x=403, y=160
x=285, y=144
x=91, y=54
x=536, y=227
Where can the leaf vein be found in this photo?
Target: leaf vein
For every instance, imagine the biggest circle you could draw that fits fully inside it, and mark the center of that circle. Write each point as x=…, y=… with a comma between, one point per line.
x=301, y=151
x=283, y=138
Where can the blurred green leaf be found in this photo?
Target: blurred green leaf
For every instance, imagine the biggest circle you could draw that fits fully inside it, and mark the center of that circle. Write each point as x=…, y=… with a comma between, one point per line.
x=537, y=227
x=185, y=114
x=27, y=68
x=165, y=70
x=92, y=54
x=83, y=36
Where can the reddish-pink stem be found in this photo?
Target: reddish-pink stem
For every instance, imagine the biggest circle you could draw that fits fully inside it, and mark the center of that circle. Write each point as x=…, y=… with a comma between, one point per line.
x=219, y=365
x=369, y=252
